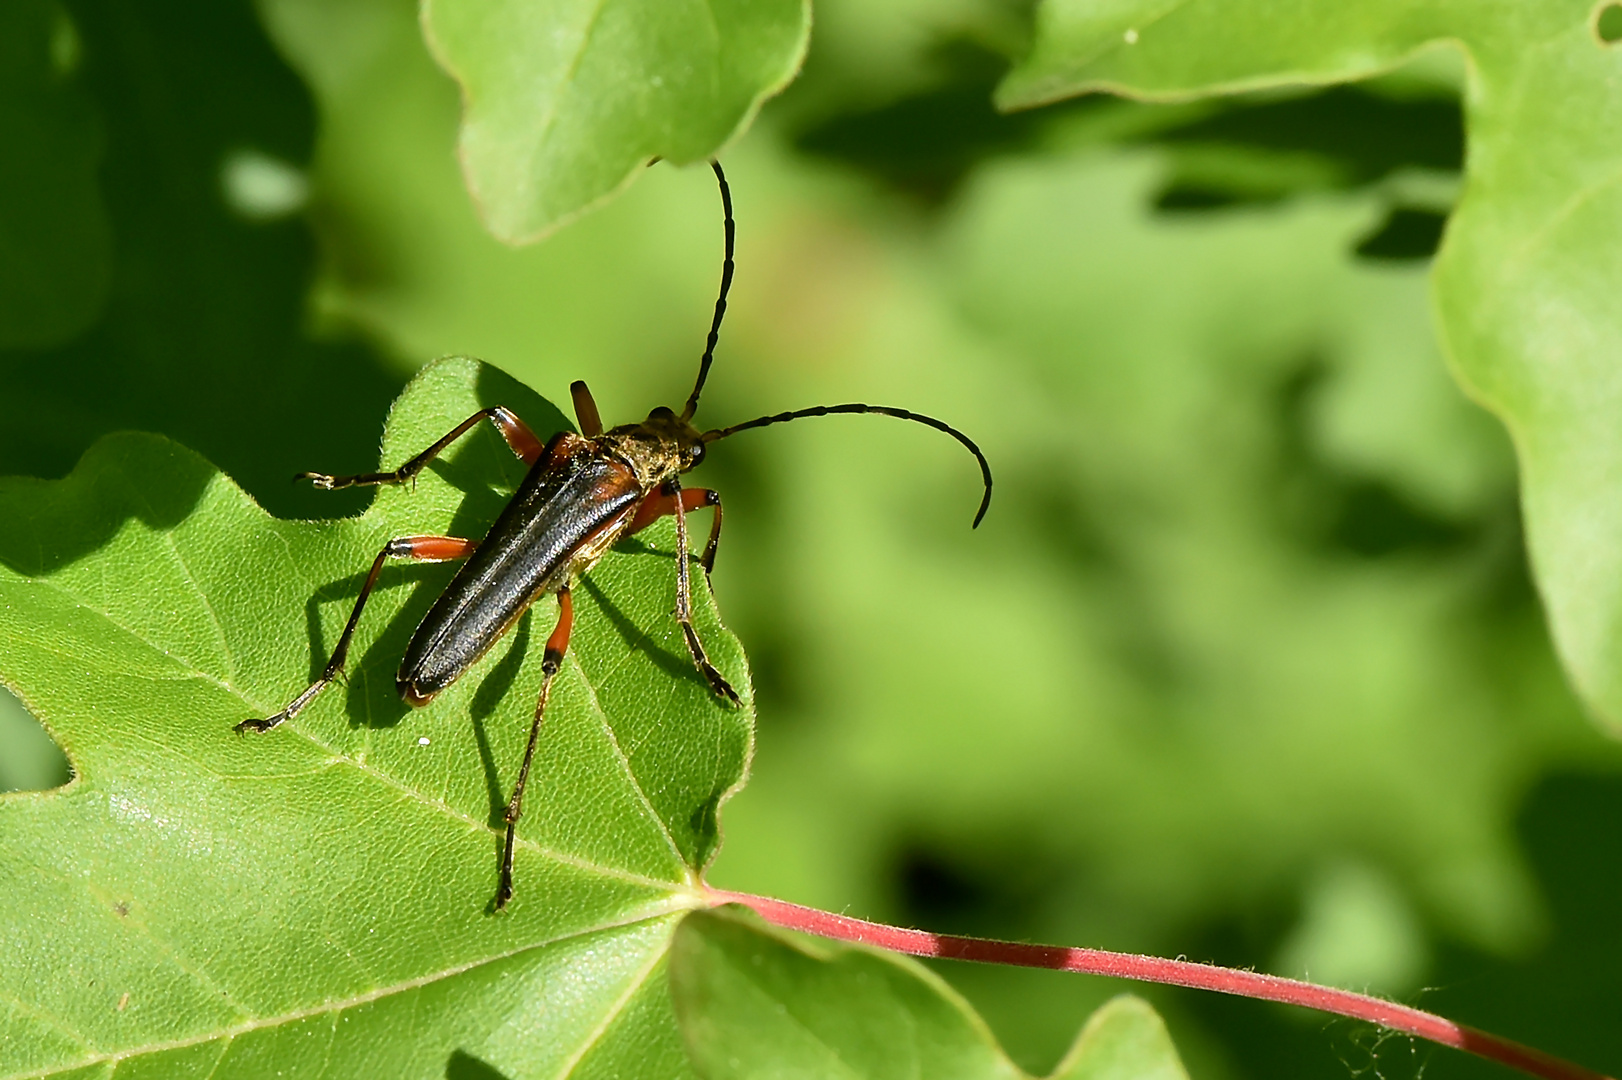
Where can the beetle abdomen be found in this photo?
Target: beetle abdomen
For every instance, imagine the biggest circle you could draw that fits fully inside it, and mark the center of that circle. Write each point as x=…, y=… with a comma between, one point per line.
x=573, y=499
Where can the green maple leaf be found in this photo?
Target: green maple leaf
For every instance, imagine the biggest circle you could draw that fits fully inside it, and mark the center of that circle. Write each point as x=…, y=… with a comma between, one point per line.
x=566, y=102
x=316, y=900
x=318, y=895
x=1526, y=280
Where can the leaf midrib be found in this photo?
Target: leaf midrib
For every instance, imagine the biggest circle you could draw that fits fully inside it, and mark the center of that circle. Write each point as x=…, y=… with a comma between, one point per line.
x=678, y=902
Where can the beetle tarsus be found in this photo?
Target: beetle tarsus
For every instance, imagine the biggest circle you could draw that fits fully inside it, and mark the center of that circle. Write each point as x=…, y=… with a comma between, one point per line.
x=324, y=482
x=296, y=706
x=717, y=681
x=701, y=661
x=504, y=891
x=260, y=725
x=684, y=590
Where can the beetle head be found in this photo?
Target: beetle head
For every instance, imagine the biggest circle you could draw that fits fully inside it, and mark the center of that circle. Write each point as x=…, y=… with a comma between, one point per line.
x=658, y=448
x=680, y=437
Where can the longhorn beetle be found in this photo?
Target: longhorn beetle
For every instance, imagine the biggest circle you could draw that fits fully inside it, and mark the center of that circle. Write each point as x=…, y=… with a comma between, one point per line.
x=582, y=494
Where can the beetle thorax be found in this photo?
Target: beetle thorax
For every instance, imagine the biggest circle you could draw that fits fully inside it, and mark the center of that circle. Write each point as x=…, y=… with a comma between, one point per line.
x=660, y=447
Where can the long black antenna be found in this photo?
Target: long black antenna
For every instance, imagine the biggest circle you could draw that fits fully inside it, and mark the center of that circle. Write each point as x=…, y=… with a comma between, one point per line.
x=882, y=410
x=720, y=301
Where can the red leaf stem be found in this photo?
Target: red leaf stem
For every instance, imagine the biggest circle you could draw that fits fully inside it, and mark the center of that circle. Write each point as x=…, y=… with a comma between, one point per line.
x=1251, y=984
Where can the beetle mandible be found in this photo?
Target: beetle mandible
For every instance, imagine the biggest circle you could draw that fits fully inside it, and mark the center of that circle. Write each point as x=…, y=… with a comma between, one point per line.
x=583, y=493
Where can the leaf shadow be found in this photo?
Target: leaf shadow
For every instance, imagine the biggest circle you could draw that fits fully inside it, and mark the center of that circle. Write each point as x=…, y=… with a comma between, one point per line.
x=462, y=1065
x=124, y=477
x=636, y=546
x=639, y=640
x=373, y=701
x=495, y=686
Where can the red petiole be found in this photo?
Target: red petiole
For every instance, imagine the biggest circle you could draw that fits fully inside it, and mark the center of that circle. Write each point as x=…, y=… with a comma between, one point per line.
x=1174, y=972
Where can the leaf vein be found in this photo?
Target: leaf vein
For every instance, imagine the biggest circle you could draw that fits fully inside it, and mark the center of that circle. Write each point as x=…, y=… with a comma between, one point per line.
x=225, y=1048
x=569, y=75
x=596, y=1034
x=630, y=774
x=48, y=1018
x=338, y=1007
x=168, y=535
x=630, y=876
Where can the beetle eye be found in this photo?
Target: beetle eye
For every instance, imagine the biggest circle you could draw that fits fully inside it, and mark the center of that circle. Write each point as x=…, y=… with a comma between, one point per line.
x=661, y=413
x=698, y=453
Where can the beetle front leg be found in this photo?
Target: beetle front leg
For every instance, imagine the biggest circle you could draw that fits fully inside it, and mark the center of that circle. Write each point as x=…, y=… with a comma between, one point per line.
x=551, y=662
x=659, y=504
x=419, y=548
x=517, y=433
x=684, y=599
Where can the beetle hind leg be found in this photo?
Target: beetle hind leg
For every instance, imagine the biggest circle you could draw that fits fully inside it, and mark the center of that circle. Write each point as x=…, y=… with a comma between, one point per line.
x=551, y=663
x=419, y=548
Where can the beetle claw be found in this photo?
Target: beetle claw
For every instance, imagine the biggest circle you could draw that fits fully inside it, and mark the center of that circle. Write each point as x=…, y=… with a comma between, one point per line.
x=721, y=687
x=259, y=725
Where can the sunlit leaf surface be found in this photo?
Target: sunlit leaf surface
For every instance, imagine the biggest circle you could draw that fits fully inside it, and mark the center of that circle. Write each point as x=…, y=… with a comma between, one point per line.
x=317, y=897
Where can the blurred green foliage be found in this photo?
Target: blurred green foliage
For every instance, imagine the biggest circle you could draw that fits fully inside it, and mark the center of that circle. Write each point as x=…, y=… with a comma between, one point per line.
x=200, y=334
x=1244, y=663
x=1523, y=283
x=53, y=225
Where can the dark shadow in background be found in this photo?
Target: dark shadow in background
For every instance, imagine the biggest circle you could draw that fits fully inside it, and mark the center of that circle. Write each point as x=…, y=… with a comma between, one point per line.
x=1363, y=136
x=54, y=259
x=201, y=337
x=980, y=892
x=1339, y=512
x=924, y=145
x=1564, y=997
x=1406, y=234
